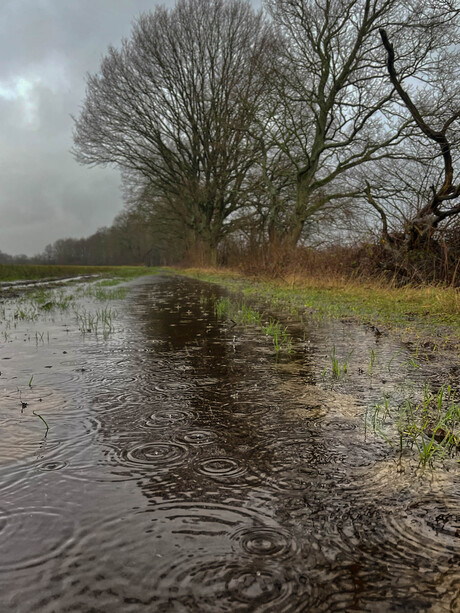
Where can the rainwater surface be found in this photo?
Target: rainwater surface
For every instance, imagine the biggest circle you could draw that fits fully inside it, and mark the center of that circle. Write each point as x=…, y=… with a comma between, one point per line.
x=187, y=467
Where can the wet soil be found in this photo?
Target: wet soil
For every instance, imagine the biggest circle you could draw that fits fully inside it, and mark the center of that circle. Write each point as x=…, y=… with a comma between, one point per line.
x=188, y=468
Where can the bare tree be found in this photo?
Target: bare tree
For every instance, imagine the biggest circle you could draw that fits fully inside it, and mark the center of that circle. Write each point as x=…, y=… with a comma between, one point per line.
x=415, y=195
x=398, y=189
x=337, y=110
x=442, y=202
x=158, y=221
x=175, y=104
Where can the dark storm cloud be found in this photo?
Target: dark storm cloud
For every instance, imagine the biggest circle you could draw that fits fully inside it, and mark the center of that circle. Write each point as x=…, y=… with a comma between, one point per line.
x=46, y=48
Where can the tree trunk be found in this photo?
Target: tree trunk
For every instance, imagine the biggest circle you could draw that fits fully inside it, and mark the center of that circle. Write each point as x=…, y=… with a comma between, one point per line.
x=298, y=217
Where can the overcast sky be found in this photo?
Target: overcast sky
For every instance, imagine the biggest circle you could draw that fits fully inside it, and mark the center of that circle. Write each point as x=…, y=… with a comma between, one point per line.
x=46, y=49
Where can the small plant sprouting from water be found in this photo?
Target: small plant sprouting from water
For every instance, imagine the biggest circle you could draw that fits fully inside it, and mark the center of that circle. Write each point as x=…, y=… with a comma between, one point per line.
x=281, y=338
x=429, y=424
x=99, y=321
x=25, y=313
x=411, y=362
x=30, y=381
x=243, y=314
x=372, y=362
x=223, y=307
x=248, y=316
x=43, y=420
x=395, y=355
x=103, y=291
x=338, y=368
x=40, y=337
x=380, y=413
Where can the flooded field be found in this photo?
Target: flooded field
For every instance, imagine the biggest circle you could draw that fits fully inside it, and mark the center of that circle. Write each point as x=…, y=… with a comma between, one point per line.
x=157, y=457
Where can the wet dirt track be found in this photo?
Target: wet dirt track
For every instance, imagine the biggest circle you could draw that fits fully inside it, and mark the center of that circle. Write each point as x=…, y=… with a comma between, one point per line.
x=186, y=469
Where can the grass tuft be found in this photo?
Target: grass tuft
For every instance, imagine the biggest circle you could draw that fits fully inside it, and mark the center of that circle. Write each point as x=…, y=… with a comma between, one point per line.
x=241, y=313
x=430, y=423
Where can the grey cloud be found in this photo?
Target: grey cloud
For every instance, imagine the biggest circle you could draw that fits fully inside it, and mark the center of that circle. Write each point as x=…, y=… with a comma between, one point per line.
x=51, y=45
x=80, y=30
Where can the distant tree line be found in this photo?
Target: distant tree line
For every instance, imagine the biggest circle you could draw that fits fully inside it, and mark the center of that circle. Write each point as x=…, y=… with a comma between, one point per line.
x=132, y=239
x=302, y=124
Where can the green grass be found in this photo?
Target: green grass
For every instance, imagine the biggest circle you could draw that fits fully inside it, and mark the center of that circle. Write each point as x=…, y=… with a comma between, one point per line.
x=19, y=272
x=238, y=312
x=428, y=422
x=108, y=283
x=243, y=314
x=115, y=294
x=281, y=338
x=428, y=317
x=49, y=299
x=60, y=298
x=46, y=302
x=99, y=321
x=101, y=293
x=338, y=368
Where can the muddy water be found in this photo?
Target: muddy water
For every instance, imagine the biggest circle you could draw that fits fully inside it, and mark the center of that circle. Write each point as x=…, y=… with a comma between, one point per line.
x=187, y=469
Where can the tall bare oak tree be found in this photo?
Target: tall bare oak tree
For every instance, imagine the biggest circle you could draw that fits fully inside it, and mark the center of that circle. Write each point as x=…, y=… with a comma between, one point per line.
x=174, y=106
x=337, y=110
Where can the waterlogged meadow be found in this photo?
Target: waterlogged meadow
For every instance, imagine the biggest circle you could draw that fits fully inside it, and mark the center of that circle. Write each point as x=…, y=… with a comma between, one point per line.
x=170, y=446
x=87, y=305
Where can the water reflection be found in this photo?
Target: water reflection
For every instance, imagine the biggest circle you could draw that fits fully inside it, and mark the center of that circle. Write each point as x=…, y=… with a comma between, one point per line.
x=202, y=475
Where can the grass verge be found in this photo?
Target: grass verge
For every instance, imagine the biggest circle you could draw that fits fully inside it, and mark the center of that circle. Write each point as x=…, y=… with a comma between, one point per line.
x=428, y=316
x=426, y=421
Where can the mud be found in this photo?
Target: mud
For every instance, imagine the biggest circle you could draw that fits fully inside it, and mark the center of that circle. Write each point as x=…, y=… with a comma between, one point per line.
x=187, y=467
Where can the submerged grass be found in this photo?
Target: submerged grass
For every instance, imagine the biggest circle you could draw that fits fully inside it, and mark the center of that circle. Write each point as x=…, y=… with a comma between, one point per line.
x=95, y=322
x=281, y=338
x=43, y=420
x=428, y=316
x=428, y=422
x=102, y=294
x=243, y=314
x=338, y=368
x=239, y=313
x=20, y=309
x=31, y=302
x=49, y=299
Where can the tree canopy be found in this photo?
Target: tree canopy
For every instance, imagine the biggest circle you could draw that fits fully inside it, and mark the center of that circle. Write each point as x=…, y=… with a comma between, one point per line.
x=174, y=106
x=227, y=121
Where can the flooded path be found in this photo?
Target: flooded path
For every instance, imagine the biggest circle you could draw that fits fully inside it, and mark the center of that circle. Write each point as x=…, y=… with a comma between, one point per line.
x=185, y=468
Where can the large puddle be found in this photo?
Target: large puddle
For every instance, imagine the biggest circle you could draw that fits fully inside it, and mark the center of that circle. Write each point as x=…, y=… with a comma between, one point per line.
x=186, y=468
